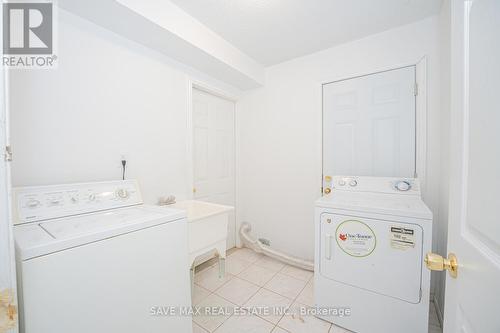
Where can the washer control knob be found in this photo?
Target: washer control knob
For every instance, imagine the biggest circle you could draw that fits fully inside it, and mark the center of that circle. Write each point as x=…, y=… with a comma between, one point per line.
x=122, y=193
x=403, y=186
x=353, y=183
x=91, y=197
x=55, y=202
x=342, y=182
x=32, y=203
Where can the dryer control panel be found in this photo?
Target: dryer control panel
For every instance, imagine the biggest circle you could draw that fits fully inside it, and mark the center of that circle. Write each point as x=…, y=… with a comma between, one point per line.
x=38, y=203
x=389, y=185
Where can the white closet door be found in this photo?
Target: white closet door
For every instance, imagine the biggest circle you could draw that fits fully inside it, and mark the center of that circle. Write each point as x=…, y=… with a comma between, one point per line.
x=213, y=148
x=369, y=125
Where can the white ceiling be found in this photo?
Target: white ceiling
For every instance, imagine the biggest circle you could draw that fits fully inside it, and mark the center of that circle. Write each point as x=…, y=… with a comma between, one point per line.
x=273, y=31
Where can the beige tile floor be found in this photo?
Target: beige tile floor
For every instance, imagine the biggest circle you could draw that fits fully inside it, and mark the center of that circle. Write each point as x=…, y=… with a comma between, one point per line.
x=254, y=280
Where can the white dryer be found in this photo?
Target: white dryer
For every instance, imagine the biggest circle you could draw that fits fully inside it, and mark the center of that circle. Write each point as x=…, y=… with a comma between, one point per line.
x=372, y=235
x=92, y=258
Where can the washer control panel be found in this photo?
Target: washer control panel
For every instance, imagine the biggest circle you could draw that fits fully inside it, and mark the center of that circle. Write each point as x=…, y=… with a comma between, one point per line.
x=39, y=203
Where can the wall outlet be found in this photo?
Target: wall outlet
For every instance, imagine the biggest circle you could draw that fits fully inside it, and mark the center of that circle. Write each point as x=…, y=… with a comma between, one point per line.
x=265, y=241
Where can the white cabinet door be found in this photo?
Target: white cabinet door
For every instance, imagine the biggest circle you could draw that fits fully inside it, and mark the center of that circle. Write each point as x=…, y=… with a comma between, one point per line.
x=8, y=292
x=473, y=297
x=369, y=125
x=213, y=152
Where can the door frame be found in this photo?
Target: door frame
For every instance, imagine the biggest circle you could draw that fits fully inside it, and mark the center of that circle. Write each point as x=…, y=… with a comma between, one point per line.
x=224, y=94
x=6, y=229
x=420, y=114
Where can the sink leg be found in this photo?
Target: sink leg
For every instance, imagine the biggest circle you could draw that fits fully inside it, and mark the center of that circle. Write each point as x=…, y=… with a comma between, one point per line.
x=222, y=267
x=191, y=275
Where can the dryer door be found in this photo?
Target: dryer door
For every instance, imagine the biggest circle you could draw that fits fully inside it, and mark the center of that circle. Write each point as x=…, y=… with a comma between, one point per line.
x=384, y=257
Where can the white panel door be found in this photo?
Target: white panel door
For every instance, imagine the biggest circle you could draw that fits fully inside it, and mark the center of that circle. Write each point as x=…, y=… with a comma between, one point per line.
x=213, y=152
x=369, y=125
x=473, y=297
x=8, y=294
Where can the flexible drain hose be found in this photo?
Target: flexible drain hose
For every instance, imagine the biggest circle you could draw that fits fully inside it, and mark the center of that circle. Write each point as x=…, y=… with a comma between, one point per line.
x=258, y=247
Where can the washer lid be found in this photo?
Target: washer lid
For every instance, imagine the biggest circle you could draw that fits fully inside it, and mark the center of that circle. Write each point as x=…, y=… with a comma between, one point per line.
x=94, y=223
x=33, y=240
x=381, y=203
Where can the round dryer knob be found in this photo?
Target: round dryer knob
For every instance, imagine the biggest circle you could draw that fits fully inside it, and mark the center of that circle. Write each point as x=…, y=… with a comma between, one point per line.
x=403, y=186
x=353, y=183
x=122, y=193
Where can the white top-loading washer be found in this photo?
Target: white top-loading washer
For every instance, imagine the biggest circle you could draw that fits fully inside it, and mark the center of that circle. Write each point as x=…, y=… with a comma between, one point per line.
x=93, y=258
x=371, y=238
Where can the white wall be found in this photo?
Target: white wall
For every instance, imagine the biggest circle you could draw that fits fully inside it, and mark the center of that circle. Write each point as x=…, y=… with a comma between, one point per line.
x=109, y=97
x=280, y=131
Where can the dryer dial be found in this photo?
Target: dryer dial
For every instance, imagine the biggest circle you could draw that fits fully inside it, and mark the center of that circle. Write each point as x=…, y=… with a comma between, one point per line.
x=403, y=186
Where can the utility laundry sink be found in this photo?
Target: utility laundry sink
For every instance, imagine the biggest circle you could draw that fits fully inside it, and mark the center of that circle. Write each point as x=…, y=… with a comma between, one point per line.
x=207, y=229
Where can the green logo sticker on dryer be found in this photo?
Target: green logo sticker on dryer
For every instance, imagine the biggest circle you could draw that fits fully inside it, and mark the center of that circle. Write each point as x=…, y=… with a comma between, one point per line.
x=355, y=238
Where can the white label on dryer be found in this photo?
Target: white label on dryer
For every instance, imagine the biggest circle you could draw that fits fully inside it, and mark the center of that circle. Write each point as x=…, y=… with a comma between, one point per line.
x=355, y=238
x=402, y=238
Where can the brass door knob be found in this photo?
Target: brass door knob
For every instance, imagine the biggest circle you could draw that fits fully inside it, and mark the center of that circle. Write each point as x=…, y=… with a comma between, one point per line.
x=327, y=190
x=435, y=262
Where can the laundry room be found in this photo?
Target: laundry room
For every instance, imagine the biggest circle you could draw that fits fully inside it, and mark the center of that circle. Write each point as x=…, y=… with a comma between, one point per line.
x=249, y=166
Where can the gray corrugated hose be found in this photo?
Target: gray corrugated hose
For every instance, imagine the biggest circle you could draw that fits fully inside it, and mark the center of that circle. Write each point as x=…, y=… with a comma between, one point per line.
x=258, y=247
